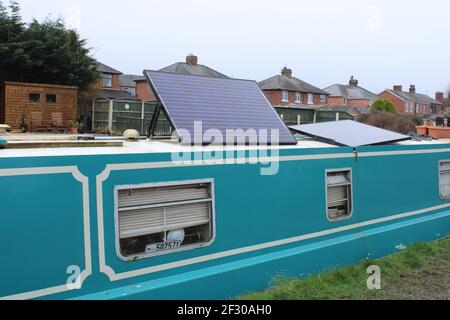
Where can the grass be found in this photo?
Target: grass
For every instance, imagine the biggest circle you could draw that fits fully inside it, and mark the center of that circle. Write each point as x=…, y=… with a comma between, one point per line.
x=421, y=272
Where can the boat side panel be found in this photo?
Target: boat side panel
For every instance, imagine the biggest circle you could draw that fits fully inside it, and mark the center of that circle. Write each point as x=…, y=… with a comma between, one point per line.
x=256, y=216
x=41, y=231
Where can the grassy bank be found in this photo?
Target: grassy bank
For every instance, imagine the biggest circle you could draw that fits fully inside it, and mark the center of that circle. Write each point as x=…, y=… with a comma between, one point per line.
x=419, y=272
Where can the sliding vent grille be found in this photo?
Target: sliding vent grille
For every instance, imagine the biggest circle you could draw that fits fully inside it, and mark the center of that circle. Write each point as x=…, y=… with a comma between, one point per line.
x=161, y=209
x=152, y=196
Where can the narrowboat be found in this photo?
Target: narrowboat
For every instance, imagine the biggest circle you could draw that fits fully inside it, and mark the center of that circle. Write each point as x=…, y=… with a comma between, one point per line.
x=155, y=219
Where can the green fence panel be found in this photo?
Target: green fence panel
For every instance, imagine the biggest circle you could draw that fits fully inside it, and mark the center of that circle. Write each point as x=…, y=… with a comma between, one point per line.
x=290, y=115
x=101, y=114
x=126, y=115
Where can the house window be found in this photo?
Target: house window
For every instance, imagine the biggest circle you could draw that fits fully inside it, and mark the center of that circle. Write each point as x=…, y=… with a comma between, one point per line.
x=34, y=97
x=339, y=194
x=408, y=107
x=444, y=179
x=130, y=90
x=107, y=80
x=159, y=219
x=298, y=97
x=323, y=98
x=285, y=96
x=50, y=98
x=417, y=108
x=310, y=98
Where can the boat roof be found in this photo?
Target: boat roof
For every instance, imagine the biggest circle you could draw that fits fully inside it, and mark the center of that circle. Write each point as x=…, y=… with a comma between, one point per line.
x=66, y=145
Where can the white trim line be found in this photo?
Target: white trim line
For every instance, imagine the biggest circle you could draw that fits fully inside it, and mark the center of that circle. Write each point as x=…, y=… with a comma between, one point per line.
x=401, y=152
x=36, y=294
x=224, y=254
x=86, y=225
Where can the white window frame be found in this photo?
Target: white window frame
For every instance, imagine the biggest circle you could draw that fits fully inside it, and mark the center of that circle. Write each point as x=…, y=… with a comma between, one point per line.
x=109, y=77
x=350, y=215
x=283, y=93
x=298, y=97
x=323, y=98
x=310, y=95
x=130, y=90
x=141, y=256
x=443, y=197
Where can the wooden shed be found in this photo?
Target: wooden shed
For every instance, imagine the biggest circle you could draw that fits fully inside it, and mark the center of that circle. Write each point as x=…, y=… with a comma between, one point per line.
x=38, y=106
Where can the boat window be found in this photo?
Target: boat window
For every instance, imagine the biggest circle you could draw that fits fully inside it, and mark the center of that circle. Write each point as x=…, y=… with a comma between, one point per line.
x=444, y=179
x=339, y=194
x=162, y=219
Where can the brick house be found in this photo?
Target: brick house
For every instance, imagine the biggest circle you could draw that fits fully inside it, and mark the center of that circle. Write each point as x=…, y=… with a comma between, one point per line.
x=40, y=106
x=351, y=95
x=127, y=83
x=143, y=90
x=113, y=84
x=411, y=102
x=116, y=85
x=445, y=102
x=191, y=67
x=284, y=90
x=354, y=111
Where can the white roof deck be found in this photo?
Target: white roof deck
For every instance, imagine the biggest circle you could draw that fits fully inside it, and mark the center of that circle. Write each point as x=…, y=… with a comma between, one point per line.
x=141, y=146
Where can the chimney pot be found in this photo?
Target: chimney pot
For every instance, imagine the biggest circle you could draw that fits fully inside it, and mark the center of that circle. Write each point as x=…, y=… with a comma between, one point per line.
x=353, y=82
x=286, y=72
x=192, y=60
x=439, y=96
x=398, y=88
x=412, y=89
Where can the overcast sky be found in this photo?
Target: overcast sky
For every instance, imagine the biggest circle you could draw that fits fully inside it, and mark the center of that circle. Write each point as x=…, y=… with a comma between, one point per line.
x=380, y=42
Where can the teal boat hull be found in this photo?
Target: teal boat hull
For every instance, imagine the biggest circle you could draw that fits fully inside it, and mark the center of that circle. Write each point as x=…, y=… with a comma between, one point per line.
x=57, y=215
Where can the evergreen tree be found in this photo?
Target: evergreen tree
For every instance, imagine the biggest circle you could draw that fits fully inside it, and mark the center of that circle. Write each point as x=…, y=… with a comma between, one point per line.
x=43, y=52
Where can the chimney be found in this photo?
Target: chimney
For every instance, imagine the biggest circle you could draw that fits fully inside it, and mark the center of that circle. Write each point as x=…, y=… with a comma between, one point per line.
x=286, y=72
x=398, y=88
x=412, y=89
x=353, y=82
x=439, y=96
x=192, y=60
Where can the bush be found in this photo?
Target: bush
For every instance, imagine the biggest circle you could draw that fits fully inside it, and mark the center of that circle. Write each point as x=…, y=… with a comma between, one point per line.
x=383, y=105
x=390, y=121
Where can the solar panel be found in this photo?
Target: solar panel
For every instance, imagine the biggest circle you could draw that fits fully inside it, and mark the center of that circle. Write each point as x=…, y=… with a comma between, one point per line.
x=220, y=104
x=349, y=133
